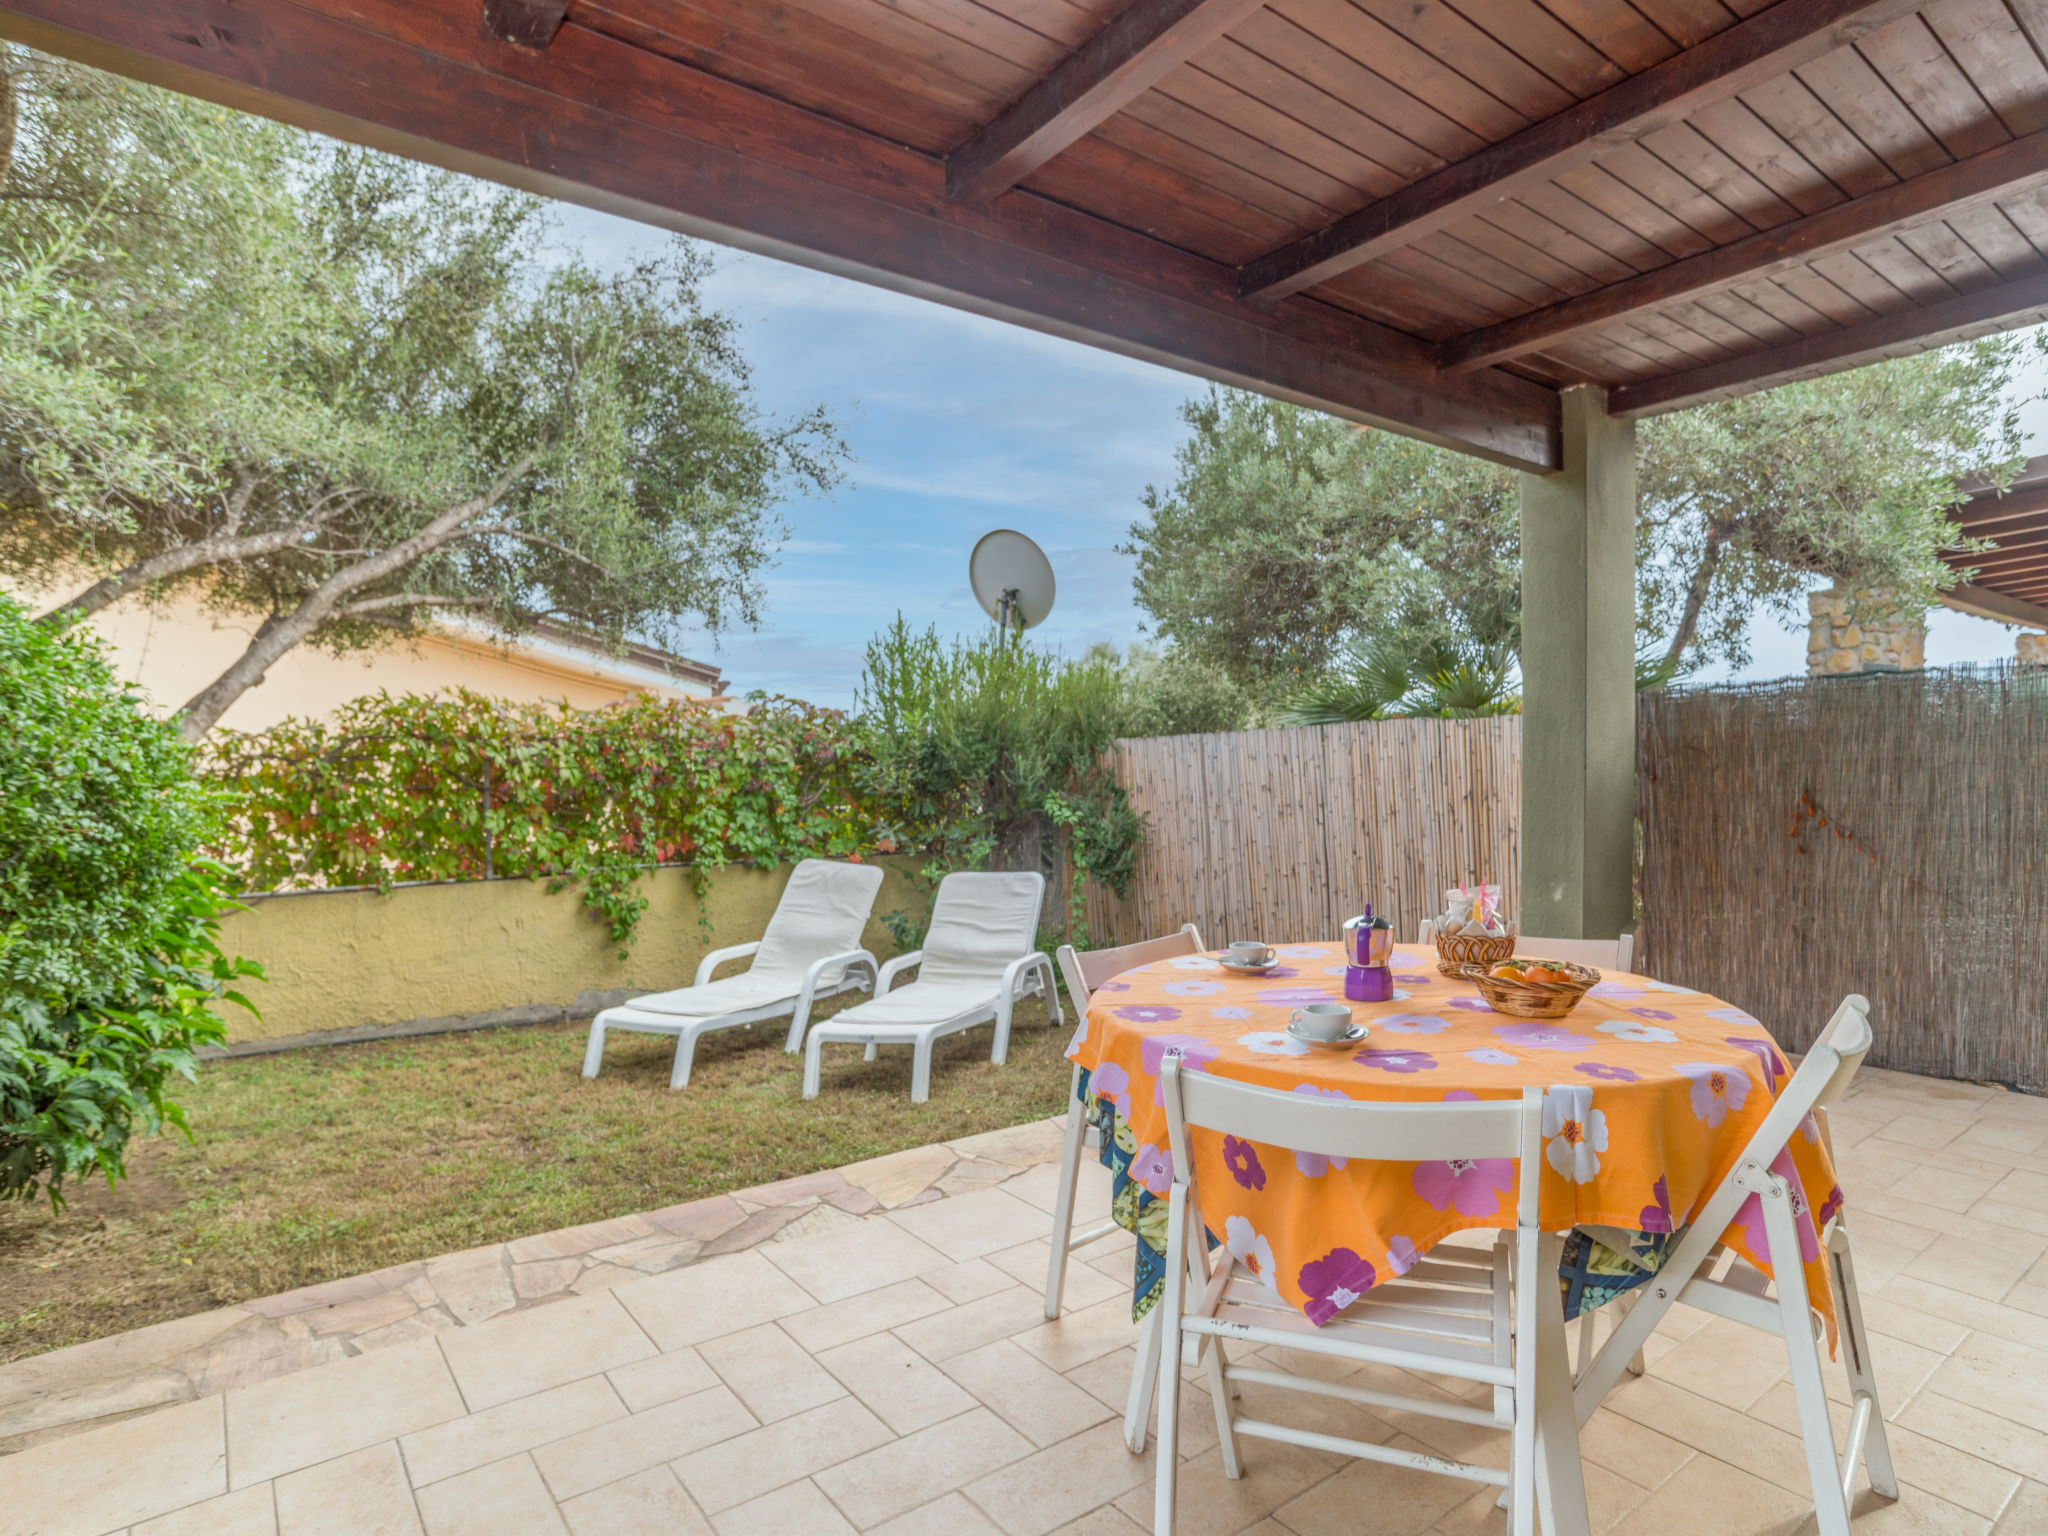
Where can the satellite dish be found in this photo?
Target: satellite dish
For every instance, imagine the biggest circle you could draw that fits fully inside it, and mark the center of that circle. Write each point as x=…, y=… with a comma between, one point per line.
x=1012, y=579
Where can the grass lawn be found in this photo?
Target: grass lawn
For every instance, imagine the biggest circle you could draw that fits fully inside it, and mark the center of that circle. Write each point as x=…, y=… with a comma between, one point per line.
x=313, y=1165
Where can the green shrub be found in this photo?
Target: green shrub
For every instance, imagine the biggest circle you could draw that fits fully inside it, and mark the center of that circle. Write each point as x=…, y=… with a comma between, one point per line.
x=108, y=959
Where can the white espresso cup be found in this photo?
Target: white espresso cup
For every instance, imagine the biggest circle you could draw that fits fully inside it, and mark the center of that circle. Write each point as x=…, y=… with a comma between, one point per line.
x=1250, y=952
x=1322, y=1021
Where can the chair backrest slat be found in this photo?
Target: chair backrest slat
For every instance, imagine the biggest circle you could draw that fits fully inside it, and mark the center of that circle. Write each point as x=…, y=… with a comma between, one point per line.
x=1085, y=970
x=822, y=911
x=981, y=921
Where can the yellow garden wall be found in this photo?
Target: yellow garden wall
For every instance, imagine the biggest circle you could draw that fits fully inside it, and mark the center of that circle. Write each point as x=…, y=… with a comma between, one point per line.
x=491, y=951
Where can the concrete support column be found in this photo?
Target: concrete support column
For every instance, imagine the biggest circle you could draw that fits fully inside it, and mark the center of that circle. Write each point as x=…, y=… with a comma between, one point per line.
x=1578, y=679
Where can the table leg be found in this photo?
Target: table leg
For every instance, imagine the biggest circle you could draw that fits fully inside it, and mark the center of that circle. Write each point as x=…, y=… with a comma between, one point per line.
x=1560, y=1479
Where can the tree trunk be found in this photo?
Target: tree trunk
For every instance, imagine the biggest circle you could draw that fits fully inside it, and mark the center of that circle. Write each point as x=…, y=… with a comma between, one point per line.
x=10, y=111
x=1696, y=596
x=279, y=634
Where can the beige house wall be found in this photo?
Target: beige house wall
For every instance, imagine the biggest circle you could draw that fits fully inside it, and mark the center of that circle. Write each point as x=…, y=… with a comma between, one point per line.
x=173, y=649
x=485, y=950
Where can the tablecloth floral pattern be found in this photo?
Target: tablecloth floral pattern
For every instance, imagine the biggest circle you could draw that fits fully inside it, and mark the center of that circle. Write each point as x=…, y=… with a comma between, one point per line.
x=1650, y=1093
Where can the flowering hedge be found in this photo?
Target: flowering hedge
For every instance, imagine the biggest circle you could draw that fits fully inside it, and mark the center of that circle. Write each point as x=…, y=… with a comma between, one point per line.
x=464, y=787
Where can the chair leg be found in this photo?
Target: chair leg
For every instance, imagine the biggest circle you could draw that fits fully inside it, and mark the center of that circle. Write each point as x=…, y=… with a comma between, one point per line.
x=1636, y=1363
x=873, y=1050
x=1795, y=1322
x=813, y=1065
x=1063, y=1201
x=686, y=1054
x=921, y=1070
x=1560, y=1475
x=1168, y=1454
x=1144, y=1380
x=593, y=1053
x=1219, y=1397
x=1877, y=1451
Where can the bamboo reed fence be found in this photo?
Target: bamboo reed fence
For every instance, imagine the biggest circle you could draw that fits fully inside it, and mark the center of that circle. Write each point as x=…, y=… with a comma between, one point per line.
x=1885, y=835
x=1282, y=835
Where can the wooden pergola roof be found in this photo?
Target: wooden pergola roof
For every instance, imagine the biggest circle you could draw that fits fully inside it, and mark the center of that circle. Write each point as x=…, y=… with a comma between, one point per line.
x=2011, y=581
x=1431, y=214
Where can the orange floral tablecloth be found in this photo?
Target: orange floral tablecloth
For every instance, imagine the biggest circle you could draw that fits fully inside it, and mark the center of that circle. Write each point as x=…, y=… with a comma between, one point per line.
x=1650, y=1093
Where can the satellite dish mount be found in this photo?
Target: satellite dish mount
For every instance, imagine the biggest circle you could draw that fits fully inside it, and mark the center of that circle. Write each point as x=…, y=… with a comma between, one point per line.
x=1012, y=580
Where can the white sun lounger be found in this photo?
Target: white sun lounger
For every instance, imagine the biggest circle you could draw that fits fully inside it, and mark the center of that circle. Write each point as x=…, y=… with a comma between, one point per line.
x=810, y=951
x=976, y=962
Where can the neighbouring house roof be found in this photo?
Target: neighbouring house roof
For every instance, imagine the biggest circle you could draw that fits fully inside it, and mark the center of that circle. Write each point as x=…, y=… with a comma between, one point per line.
x=2011, y=581
x=633, y=659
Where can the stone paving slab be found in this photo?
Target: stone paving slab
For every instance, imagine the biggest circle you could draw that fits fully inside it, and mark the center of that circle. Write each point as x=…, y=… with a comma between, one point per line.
x=69, y=1390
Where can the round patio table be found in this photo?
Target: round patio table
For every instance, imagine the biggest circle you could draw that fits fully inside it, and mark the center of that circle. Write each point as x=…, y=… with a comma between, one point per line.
x=1650, y=1093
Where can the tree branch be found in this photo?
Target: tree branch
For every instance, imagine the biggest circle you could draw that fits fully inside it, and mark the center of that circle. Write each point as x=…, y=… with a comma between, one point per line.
x=1696, y=594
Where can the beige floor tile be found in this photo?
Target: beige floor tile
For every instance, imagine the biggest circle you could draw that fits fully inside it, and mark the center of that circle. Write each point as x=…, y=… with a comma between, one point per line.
x=1997, y=1376
x=1062, y=1482
x=611, y=1451
x=797, y=1510
x=770, y=1372
x=973, y=1280
x=1935, y=1185
x=1609, y=1501
x=2000, y=1321
x=521, y=1353
x=1981, y=1487
x=2019, y=1217
x=1632, y=1450
x=950, y=1516
x=709, y=1300
x=361, y=1494
x=2005, y=1136
x=1030, y=1395
x=1916, y=1512
x=2024, y=1188
x=295, y=1421
x=2027, y=1515
x=896, y=1478
x=250, y=1511
x=902, y=1388
x=650, y=1503
x=1987, y=1436
x=1720, y=1432
x=1920, y=1132
x=501, y=1499
x=968, y=1226
x=1881, y=1315
x=746, y=1466
x=478, y=1439
x=108, y=1478
x=1209, y=1504
x=2028, y=1298
x=1402, y=1501
x=955, y=1331
x=1076, y=1337
x=1711, y=1498
x=1027, y=1264
x=858, y=1317
x=662, y=1379
x=1040, y=1187
x=1111, y=1521
x=1727, y=1363
x=1975, y=1267
x=857, y=1259
x=900, y=1176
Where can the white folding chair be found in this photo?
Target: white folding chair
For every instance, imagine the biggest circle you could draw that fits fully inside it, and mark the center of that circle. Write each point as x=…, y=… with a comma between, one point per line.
x=810, y=951
x=1602, y=954
x=1083, y=972
x=1459, y=1313
x=1701, y=1273
x=976, y=963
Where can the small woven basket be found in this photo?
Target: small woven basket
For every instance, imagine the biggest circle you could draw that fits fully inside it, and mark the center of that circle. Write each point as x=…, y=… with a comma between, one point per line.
x=1456, y=949
x=1532, y=999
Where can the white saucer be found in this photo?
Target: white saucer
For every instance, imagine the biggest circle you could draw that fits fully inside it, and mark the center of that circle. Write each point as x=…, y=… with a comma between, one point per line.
x=1249, y=970
x=1350, y=1037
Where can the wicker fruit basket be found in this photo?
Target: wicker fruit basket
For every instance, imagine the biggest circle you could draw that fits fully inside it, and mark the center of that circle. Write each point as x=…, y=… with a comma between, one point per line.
x=1459, y=949
x=1532, y=999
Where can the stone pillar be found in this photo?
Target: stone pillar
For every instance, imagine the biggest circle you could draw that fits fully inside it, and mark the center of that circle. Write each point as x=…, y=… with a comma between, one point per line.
x=2032, y=650
x=1578, y=680
x=1839, y=643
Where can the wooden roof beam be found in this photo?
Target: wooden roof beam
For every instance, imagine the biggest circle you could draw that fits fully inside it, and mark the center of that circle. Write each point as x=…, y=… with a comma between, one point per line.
x=1762, y=47
x=1985, y=603
x=529, y=23
x=1986, y=515
x=1138, y=48
x=1999, y=308
x=2008, y=169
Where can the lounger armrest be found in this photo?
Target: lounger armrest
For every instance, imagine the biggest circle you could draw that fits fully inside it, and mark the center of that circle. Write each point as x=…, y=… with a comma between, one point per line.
x=718, y=957
x=814, y=978
x=1018, y=969
x=891, y=969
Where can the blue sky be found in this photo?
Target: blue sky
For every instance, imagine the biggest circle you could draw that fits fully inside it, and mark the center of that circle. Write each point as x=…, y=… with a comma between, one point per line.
x=960, y=424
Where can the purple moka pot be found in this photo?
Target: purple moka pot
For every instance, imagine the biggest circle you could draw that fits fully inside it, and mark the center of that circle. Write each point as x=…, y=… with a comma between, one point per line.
x=1368, y=951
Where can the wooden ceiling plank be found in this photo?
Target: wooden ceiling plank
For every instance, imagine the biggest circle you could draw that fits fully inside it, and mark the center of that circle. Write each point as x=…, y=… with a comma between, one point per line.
x=1473, y=52
x=1754, y=320
x=1621, y=202
x=1832, y=302
x=1597, y=265
x=1247, y=132
x=1543, y=42
x=1869, y=108
x=1790, y=109
x=1177, y=149
x=1916, y=65
x=1793, y=308
x=1688, y=22
x=1984, y=39
x=1902, y=267
x=1963, y=184
x=1996, y=240
x=1788, y=35
x=1143, y=43
x=1159, y=201
x=1849, y=274
x=605, y=124
x=2024, y=510
x=1658, y=181
x=528, y=23
x=1622, y=32
x=1596, y=226
x=1278, y=96
x=1546, y=258
x=1950, y=255
x=1476, y=261
x=1912, y=330
x=1734, y=128
x=1691, y=154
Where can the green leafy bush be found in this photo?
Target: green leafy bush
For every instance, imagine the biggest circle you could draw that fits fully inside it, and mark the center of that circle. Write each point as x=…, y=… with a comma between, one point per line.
x=464, y=787
x=108, y=953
